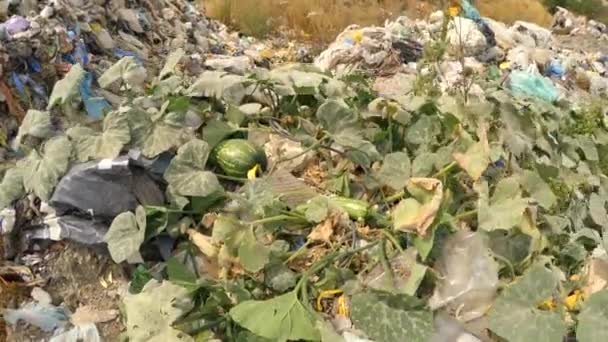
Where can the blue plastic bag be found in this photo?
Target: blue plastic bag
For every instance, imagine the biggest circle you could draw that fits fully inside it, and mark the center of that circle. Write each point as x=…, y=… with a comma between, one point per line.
x=534, y=85
x=95, y=106
x=555, y=69
x=469, y=11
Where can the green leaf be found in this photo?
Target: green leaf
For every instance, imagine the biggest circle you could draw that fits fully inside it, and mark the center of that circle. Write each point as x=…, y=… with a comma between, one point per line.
x=280, y=318
x=11, y=188
x=395, y=170
x=317, y=209
x=382, y=322
x=279, y=277
x=36, y=124
x=42, y=172
x=179, y=273
x=150, y=314
x=407, y=275
x=593, y=319
x=140, y=278
x=230, y=232
x=216, y=131
x=424, y=245
x=589, y=149
x=423, y=164
x=158, y=131
x=506, y=208
x=186, y=175
x=126, y=234
x=352, y=139
x=335, y=116
x=90, y=144
x=220, y=85
x=424, y=131
x=67, y=88
x=253, y=255
x=534, y=185
x=515, y=316
x=597, y=210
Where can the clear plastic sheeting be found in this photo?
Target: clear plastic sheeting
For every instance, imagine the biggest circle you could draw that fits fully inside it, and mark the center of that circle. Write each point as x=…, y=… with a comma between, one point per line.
x=469, y=276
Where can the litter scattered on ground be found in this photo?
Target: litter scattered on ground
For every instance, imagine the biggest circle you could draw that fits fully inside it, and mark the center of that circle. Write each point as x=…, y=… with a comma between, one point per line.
x=167, y=179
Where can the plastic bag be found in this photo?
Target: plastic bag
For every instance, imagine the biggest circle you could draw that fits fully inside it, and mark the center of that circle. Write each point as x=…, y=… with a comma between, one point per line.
x=534, y=85
x=470, y=276
x=105, y=189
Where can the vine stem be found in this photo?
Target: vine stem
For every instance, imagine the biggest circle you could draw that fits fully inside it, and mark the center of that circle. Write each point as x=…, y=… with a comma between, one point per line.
x=277, y=218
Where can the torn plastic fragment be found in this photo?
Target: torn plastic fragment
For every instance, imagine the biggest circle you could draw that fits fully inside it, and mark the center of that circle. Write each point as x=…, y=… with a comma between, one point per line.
x=85, y=332
x=46, y=317
x=470, y=276
x=95, y=106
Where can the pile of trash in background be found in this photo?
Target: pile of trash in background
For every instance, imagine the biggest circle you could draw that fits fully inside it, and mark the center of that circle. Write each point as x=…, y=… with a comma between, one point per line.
x=444, y=174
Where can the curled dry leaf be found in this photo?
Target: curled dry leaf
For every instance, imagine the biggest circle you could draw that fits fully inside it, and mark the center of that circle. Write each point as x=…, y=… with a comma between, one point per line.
x=324, y=230
x=417, y=214
x=203, y=243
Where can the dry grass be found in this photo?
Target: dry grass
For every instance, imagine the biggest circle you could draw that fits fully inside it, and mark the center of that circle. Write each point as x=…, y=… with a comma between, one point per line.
x=323, y=20
x=509, y=11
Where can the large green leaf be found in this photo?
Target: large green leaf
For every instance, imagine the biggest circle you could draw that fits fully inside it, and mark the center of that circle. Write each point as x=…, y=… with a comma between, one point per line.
x=126, y=234
x=515, y=316
x=395, y=170
x=220, y=85
x=593, y=319
x=90, y=144
x=335, y=116
x=253, y=255
x=216, y=131
x=353, y=141
x=41, y=172
x=597, y=210
x=67, y=88
x=36, y=124
x=186, y=174
x=280, y=318
x=506, y=207
x=383, y=322
x=156, y=131
x=534, y=185
x=424, y=131
x=11, y=188
x=150, y=313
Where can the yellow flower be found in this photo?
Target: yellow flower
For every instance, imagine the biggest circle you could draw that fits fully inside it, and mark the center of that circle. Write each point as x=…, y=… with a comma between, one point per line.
x=571, y=301
x=357, y=36
x=253, y=172
x=453, y=11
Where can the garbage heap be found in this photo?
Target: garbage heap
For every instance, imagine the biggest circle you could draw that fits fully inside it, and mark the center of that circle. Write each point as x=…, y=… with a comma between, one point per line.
x=528, y=56
x=151, y=132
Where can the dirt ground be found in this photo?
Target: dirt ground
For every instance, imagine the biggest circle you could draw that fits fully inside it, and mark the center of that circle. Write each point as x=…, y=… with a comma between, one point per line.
x=75, y=276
